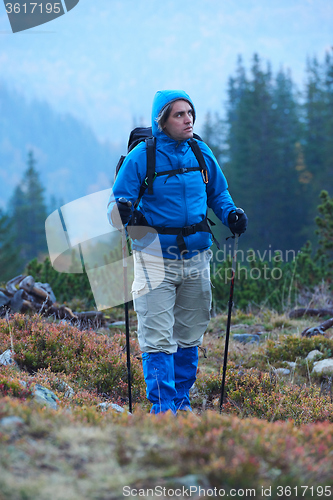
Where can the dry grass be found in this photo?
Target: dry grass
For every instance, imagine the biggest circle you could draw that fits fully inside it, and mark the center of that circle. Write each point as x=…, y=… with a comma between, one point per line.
x=79, y=452
x=59, y=456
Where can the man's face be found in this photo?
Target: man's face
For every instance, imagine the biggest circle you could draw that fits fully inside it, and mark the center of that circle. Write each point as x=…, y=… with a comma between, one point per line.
x=179, y=125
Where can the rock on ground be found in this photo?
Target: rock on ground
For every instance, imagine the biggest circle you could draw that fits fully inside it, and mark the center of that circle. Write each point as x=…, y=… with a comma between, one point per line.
x=7, y=358
x=323, y=366
x=314, y=354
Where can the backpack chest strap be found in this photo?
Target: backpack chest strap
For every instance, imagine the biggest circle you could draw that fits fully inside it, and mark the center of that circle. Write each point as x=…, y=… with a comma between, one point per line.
x=176, y=171
x=151, y=166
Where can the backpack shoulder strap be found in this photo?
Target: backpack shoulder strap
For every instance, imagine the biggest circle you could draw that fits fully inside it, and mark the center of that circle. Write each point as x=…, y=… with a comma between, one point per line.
x=200, y=158
x=119, y=164
x=151, y=163
x=150, y=172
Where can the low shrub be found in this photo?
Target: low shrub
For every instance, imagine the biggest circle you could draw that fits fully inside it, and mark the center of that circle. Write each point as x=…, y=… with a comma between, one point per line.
x=253, y=393
x=290, y=347
x=13, y=387
x=96, y=362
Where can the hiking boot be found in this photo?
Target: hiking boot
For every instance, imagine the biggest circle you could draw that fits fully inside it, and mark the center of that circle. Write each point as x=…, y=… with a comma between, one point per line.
x=158, y=370
x=186, y=364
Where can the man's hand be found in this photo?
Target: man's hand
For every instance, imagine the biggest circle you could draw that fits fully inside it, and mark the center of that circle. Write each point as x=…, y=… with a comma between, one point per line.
x=121, y=213
x=237, y=220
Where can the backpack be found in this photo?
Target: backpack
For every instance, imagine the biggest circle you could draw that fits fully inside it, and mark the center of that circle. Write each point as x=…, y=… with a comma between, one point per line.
x=140, y=134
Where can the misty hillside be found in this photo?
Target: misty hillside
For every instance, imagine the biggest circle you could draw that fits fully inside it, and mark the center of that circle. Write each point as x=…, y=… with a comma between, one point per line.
x=70, y=159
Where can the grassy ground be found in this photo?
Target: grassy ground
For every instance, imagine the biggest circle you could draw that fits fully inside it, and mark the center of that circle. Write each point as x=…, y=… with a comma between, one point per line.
x=274, y=438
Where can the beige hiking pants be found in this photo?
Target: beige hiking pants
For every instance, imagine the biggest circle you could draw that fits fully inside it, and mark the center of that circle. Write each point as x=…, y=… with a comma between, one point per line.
x=172, y=299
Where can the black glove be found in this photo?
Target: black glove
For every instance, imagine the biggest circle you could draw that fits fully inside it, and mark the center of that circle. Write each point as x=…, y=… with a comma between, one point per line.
x=138, y=227
x=121, y=213
x=237, y=220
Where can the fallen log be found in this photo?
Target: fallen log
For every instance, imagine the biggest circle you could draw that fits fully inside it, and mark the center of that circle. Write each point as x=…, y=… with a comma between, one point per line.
x=62, y=312
x=95, y=318
x=28, y=296
x=298, y=313
x=81, y=319
x=47, y=288
x=20, y=302
x=4, y=299
x=27, y=283
x=41, y=296
x=22, y=294
x=318, y=330
x=11, y=285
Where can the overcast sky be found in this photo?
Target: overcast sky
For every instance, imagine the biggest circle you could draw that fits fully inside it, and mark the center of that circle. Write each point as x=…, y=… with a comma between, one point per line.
x=104, y=60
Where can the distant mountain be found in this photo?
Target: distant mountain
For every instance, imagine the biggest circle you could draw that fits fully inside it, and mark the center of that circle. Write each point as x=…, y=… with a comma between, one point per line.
x=70, y=159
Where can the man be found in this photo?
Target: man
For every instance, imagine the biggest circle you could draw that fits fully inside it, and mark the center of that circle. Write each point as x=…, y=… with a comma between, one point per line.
x=173, y=316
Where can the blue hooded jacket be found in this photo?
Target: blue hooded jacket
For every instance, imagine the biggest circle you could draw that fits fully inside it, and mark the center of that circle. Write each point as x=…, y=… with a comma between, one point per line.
x=179, y=200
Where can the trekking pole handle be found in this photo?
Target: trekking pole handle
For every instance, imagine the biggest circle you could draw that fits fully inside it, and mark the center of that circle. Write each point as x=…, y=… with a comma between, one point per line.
x=123, y=201
x=237, y=213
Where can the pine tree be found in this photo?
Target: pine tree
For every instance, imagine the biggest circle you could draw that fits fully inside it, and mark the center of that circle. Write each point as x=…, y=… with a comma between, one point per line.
x=10, y=263
x=28, y=212
x=325, y=228
x=315, y=118
x=318, y=132
x=214, y=133
x=294, y=177
x=328, y=148
x=263, y=133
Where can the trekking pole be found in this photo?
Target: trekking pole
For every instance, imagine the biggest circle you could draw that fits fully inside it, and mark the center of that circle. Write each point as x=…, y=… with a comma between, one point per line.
x=128, y=350
x=230, y=303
